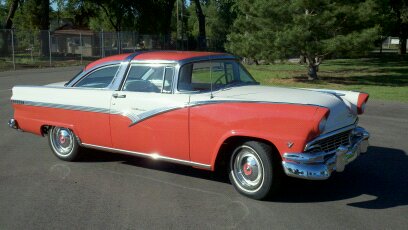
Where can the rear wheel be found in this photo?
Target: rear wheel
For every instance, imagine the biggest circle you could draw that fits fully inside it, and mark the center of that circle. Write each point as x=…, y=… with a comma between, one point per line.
x=64, y=143
x=253, y=170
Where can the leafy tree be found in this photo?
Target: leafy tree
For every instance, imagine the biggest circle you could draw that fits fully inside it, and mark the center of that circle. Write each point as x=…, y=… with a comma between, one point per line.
x=399, y=11
x=277, y=29
x=8, y=23
x=220, y=14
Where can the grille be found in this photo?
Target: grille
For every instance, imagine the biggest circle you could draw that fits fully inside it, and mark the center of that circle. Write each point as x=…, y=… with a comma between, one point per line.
x=331, y=143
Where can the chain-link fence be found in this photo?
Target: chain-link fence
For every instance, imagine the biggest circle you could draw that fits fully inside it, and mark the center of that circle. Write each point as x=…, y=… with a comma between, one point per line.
x=36, y=49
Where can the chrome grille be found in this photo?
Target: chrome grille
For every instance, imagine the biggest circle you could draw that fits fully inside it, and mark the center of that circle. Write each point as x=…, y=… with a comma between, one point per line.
x=330, y=143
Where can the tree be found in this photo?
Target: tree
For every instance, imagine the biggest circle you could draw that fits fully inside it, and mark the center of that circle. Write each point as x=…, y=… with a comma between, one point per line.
x=399, y=9
x=7, y=25
x=201, y=25
x=219, y=15
x=278, y=29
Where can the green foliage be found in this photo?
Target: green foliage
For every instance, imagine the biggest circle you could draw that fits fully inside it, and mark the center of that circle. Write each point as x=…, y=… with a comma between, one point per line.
x=383, y=78
x=219, y=15
x=277, y=29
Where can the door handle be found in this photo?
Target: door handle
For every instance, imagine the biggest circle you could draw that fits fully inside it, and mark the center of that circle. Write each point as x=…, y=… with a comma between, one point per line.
x=116, y=95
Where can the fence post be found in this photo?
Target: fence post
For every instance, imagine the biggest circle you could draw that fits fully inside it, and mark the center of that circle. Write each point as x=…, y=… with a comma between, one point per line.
x=119, y=43
x=49, y=46
x=102, y=41
x=80, y=44
x=12, y=47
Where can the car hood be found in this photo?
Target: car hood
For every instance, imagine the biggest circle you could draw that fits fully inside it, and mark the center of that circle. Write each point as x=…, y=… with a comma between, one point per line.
x=57, y=84
x=340, y=113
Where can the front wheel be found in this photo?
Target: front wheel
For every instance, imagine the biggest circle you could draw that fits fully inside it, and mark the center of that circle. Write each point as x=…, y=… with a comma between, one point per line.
x=64, y=143
x=253, y=170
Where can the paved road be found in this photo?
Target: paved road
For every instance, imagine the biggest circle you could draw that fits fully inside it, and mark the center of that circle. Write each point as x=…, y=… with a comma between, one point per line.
x=108, y=191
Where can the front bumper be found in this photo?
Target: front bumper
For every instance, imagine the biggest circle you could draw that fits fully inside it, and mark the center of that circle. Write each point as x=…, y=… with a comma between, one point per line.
x=319, y=166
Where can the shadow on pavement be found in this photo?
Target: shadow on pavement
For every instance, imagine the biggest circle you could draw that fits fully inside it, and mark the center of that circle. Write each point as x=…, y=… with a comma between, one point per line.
x=100, y=156
x=381, y=173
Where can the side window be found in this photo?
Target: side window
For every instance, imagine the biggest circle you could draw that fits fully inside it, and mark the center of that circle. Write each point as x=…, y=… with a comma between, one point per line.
x=168, y=79
x=217, y=74
x=142, y=78
x=198, y=76
x=100, y=78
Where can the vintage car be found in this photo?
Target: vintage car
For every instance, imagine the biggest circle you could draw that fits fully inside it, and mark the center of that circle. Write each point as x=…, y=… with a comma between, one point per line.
x=200, y=109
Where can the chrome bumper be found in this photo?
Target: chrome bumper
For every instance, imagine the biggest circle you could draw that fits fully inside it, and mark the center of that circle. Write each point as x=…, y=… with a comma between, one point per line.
x=12, y=123
x=319, y=166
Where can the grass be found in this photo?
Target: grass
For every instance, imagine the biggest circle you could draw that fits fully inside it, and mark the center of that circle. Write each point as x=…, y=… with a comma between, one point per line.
x=25, y=62
x=382, y=78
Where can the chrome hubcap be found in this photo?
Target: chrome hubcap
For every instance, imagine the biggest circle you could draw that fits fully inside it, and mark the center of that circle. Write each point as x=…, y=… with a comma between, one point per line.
x=62, y=140
x=247, y=169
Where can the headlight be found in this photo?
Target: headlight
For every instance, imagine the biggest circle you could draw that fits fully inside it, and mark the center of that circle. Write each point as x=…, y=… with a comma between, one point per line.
x=322, y=124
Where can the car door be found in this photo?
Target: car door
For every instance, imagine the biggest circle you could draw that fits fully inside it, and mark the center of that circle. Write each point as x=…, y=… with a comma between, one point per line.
x=146, y=117
x=90, y=98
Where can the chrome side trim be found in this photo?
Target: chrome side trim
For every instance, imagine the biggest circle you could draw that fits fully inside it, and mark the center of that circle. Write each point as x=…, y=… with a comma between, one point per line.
x=137, y=118
x=19, y=102
x=326, y=135
x=154, y=156
x=207, y=102
x=62, y=106
x=151, y=113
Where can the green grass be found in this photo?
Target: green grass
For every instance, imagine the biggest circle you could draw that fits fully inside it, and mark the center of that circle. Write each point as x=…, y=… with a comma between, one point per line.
x=383, y=79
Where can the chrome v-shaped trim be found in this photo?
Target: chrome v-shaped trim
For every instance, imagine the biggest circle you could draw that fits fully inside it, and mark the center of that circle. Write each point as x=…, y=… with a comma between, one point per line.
x=154, y=156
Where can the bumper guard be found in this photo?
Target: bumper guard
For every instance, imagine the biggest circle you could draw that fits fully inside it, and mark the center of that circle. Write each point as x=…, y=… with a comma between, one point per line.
x=317, y=166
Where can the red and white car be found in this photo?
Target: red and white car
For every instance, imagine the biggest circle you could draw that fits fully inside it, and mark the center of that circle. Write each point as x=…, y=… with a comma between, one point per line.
x=200, y=109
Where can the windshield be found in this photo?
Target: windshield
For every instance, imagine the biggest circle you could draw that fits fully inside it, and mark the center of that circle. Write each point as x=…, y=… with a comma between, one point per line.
x=213, y=75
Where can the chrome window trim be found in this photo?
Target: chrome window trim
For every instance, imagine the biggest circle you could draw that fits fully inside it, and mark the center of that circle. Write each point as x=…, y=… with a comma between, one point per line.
x=196, y=60
x=173, y=69
x=154, y=156
x=131, y=64
x=97, y=69
x=154, y=61
x=86, y=72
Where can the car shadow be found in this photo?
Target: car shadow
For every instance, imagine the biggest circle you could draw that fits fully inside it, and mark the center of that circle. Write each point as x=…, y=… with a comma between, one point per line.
x=381, y=173
x=92, y=156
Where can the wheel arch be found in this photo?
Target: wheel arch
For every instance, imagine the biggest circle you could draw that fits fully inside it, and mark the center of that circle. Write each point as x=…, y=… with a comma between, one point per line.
x=44, y=128
x=226, y=148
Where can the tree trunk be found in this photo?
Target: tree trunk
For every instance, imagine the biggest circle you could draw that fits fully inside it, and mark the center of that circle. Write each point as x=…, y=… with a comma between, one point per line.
x=403, y=39
x=8, y=24
x=312, y=72
x=313, y=67
x=167, y=17
x=202, y=44
x=44, y=27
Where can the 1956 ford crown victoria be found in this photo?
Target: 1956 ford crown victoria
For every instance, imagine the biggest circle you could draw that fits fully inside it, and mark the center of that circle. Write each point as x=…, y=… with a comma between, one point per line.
x=200, y=109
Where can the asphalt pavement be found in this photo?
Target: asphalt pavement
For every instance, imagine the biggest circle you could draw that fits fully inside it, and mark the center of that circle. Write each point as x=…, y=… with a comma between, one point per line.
x=111, y=191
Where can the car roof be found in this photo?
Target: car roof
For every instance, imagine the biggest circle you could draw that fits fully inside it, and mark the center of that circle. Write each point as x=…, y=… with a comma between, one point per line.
x=154, y=55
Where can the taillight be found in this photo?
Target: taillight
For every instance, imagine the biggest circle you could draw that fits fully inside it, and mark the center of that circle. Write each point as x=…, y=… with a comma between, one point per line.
x=361, y=103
